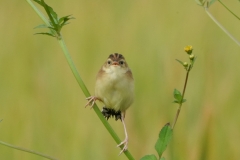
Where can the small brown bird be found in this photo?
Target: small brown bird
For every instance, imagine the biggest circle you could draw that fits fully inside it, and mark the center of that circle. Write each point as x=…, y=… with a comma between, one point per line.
x=115, y=88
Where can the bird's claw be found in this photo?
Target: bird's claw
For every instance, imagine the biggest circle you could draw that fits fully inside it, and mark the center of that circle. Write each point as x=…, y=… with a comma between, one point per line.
x=91, y=101
x=125, y=147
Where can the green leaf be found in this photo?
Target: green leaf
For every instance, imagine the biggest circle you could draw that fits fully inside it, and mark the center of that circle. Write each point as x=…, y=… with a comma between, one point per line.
x=165, y=136
x=62, y=21
x=177, y=95
x=175, y=101
x=50, y=12
x=184, y=64
x=180, y=62
x=46, y=33
x=47, y=8
x=149, y=157
x=162, y=158
x=41, y=26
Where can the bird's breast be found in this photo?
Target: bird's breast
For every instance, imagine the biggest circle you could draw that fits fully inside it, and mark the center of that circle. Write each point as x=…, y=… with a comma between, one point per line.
x=115, y=90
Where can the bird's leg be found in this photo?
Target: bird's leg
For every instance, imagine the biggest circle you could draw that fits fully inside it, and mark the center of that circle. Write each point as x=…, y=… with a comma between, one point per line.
x=125, y=142
x=91, y=101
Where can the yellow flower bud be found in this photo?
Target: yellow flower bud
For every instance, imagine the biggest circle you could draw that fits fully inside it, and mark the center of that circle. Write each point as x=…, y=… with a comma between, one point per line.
x=188, y=49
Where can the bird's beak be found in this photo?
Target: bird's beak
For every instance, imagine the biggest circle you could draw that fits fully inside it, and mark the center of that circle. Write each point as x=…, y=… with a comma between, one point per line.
x=115, y=63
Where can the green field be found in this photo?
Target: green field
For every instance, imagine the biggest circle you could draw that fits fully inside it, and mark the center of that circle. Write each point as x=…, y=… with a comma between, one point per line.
x=42, y=106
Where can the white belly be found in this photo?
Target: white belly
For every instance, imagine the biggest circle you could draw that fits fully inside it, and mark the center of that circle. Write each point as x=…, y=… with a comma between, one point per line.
x=115, y=90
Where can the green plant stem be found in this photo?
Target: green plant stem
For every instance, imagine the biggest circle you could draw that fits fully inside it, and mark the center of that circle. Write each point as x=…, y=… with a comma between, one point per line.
x=27, y=150
x=220, y=26
x=228, y=9
x=82, y=85
x=73, y=68
x=183, y=93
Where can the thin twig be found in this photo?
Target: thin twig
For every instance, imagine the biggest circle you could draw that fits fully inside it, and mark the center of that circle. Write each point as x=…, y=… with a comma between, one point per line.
x=27, y=150
x=183, y=93
x=228, y=9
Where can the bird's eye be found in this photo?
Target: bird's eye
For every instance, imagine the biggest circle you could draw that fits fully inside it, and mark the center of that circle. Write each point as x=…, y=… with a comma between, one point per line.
x=108, y=62
x=121, y=62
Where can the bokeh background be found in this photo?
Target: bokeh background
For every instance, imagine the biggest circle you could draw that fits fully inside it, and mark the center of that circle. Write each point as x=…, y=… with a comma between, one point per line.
x=42, y=106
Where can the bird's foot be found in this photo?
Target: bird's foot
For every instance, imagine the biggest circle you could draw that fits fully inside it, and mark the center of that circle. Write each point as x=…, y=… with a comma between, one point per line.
x=125, y=147
x=91, y=100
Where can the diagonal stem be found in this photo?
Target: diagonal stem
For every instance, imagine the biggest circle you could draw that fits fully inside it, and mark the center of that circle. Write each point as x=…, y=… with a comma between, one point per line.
x=183, y=93
x=27, y=150
x=228, y=9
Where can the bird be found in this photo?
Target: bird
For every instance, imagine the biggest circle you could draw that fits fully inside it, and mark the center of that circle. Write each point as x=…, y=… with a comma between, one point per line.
x=115, y=89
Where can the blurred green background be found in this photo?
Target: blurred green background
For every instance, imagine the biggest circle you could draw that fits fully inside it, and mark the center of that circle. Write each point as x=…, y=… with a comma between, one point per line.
x=42, y=106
